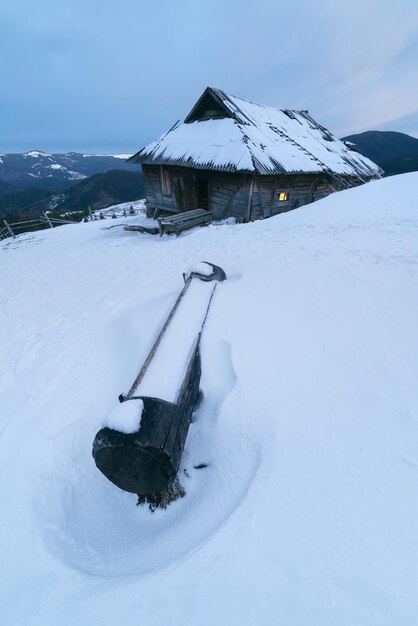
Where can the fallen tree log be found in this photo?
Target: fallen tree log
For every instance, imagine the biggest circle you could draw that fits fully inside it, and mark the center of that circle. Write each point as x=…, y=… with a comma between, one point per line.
x=143, y=456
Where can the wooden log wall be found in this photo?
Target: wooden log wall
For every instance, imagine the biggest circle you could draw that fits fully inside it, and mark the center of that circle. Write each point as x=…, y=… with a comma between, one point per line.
x=235, y=196
x=241, y=196
x=152, y=181
x=228, y=195
x=227, y=192
x=302, y=189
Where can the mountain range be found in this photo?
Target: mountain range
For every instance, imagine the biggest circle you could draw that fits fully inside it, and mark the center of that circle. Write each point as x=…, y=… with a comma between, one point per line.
x=35, y=181
x=96, y=192
x=395, y=153
x=55, y=171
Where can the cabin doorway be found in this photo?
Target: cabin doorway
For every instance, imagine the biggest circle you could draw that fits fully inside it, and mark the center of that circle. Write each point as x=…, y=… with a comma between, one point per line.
x=202, y=193
x=184, y=190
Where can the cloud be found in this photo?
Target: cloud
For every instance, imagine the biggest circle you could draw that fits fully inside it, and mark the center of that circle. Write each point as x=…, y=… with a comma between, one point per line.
x=105, y=75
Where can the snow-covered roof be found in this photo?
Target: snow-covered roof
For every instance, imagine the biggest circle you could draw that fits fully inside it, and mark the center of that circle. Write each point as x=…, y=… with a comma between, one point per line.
x=229, y=134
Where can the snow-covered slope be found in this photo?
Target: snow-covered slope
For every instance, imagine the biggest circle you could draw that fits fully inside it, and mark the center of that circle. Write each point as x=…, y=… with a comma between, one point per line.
x=307, y=513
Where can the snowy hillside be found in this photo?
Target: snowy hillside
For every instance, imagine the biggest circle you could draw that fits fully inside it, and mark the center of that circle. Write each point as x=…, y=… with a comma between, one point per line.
x=307, y=514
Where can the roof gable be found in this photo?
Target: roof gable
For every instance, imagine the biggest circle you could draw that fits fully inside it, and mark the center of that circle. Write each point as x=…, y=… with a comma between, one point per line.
x=209, y=106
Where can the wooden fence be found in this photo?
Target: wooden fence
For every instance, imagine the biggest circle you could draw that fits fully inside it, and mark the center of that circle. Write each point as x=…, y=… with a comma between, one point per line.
x=15, y=228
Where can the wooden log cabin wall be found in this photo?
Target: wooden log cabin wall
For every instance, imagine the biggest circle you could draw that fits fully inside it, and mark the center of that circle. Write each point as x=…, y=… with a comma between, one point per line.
x=238, y=159
x=244, y=197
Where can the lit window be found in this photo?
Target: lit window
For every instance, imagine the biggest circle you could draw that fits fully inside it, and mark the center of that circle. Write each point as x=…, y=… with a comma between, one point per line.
x=165, y=181
x=283, y=196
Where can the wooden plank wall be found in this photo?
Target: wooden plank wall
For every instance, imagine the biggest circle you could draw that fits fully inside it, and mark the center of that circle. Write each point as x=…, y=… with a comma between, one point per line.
x=228, y=195
x=302, y=189
x=233, y=195
x=152, y=181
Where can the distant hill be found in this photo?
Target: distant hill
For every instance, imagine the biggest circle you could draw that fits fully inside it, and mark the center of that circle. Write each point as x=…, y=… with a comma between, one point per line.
x=55, y=172
x=395, y=153
x=23, y=202
x=98, y=191
x=6, y=188
x=103, y=190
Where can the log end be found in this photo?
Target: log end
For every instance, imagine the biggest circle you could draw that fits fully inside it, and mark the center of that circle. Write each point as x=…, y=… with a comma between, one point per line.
x=129, y=465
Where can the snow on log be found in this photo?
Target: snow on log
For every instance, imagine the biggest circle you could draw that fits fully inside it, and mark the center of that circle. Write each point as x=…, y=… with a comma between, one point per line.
x=139, y=448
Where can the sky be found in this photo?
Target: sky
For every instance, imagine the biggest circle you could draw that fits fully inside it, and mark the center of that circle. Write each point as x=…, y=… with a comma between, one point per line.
x=101, y=76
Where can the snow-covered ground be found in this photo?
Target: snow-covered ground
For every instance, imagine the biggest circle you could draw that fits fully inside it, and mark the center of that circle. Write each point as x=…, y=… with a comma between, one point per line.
x=138, y=207
x=307, y=514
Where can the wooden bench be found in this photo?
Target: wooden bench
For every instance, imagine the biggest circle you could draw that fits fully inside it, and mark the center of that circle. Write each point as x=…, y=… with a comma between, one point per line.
x=181, y=221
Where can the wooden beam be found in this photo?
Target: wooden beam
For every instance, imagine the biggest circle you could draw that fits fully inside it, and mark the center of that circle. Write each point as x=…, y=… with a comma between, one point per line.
x=250, y=199
x=48, y=220
x=157, y=342
x=270, y=213
x=9, y=229
x=312, y=189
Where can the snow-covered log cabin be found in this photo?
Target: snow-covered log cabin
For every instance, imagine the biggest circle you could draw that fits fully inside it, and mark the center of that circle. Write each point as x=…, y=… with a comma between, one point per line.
x=236, y=158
